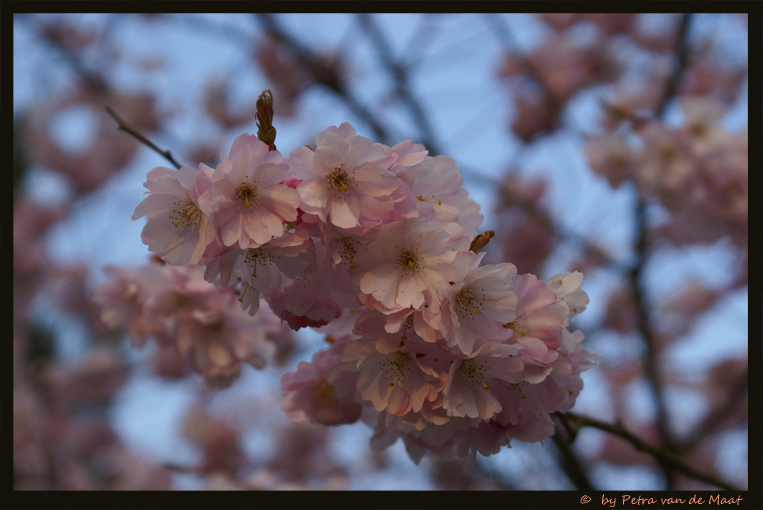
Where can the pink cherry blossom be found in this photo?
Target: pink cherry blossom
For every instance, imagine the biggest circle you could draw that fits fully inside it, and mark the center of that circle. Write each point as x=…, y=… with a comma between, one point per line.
x=540, y=314
x=567, y=289
x=249, y=202
x=300, y=306
x=405, y=259
x=470, y=379
x=395, y=381
x=477, y=304
x=346, y=183
x=177, y=229
x=319, y=392
x=217, y=341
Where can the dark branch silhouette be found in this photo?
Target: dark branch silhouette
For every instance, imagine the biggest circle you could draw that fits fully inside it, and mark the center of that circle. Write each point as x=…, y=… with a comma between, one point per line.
x=574, y=422
x=142, y=139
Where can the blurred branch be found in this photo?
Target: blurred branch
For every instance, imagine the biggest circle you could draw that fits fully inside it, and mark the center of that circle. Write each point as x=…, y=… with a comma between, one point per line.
x=322, y=74
x=651, y=362
x=682, y=55
x=184, y=469
x=99, y=84
x=402, y=84
x=571, y=464
x=124, y=127
x=715, y=418
x=574, y=422
x=510, y=45
x=90, y=78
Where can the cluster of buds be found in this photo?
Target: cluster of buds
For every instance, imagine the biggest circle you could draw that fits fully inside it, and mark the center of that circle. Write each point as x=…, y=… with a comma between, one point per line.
x=377, y=246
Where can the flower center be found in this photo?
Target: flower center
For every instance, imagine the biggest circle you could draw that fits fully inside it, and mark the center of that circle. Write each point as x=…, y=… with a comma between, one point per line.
x=408, y=262
x=254, y=256
x=323, y=394
x=517, y=326
x=465, y=299
x=247, y=195
x=187, y=216
x=338, y=181
x=348, y=243
x=474, y=372
x=399, y=360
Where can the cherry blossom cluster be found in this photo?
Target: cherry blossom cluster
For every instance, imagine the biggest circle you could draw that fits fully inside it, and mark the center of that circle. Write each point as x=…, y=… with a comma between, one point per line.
x=179, y=310
x=697, y=171
x=376, y=246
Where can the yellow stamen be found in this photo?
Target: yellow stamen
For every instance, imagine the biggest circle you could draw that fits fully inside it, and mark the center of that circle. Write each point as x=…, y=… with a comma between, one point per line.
x=408, y=262
x=515, y=328
x=392, y=382
x=244, y=288
x=421, y=199
x=465, y=298
x=407, y=324
x=484, y=384
x=472, y=371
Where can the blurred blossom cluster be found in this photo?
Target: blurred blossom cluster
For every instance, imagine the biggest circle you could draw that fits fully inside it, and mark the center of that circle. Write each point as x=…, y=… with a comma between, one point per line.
x=352, y=268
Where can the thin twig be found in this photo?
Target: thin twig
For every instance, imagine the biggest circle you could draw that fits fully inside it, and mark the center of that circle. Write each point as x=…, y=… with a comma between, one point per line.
x=124, y=127
x=574, y=422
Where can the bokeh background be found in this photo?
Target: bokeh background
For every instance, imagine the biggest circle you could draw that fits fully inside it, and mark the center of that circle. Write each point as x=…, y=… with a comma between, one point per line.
x=580, y=136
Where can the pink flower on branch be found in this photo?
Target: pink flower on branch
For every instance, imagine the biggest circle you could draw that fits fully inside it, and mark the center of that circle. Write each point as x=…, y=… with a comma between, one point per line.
x=345, y=183
x=405, y=259
x=249, y=201
x=177, y=229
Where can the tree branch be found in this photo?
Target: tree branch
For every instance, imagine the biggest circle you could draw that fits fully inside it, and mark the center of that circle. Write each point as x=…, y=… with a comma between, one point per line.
x=402, y=84
x=715, y=418
x=124, y=127
x=571, y=464
x=574, y=422
x=184, y=469
x=651, y=361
